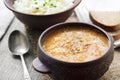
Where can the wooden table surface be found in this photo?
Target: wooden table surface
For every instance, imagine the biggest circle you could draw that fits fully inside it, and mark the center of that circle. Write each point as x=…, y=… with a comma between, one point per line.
x=11, y=66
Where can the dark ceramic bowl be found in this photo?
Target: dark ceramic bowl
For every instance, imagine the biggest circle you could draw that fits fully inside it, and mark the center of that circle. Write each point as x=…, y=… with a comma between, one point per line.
x=41, y=21
x=60, y=70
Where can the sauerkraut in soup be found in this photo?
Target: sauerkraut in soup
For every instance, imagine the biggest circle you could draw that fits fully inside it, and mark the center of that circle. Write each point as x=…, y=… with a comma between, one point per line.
x=42, y=7
x=73, y=44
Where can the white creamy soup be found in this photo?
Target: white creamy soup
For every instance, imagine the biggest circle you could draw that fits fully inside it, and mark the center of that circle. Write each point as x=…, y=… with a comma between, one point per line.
x=42, y=7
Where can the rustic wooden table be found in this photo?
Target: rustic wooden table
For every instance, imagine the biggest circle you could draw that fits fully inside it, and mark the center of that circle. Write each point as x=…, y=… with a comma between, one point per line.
x=11, y=66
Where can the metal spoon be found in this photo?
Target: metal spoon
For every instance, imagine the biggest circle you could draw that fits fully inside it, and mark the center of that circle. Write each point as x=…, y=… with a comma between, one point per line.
x=19, y=45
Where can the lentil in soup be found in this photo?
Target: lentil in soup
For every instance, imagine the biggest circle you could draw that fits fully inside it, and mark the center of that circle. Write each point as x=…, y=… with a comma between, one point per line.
x=73, y=44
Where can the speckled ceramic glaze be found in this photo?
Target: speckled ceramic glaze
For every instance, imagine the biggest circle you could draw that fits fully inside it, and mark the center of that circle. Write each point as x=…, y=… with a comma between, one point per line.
x=41, y=21
x=60, y=70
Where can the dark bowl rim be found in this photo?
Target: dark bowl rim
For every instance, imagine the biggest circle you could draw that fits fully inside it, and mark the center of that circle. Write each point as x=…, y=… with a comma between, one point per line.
x=110, y=43
x=12, y=9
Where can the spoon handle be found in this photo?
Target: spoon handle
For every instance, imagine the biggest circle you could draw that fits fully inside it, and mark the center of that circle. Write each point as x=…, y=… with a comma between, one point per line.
x=26, y=74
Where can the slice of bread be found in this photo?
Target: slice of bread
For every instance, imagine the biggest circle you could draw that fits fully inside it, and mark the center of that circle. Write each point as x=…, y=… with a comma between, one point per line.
x=108, y=20
x=115, y=34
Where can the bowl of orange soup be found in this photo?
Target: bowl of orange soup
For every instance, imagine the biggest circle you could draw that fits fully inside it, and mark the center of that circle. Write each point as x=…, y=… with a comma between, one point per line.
x=74, y=51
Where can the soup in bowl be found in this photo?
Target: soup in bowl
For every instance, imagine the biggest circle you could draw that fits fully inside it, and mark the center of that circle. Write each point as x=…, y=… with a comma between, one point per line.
x=40, y=14
x=75, y=44
x=72, y=51
x=42, y=7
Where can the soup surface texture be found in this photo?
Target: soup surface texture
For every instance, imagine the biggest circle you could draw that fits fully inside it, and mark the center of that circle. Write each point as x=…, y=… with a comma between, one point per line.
x=73, y=44
x=42, y=7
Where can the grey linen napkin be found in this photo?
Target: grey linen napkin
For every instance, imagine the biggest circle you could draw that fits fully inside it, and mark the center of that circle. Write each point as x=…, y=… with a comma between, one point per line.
x=6, y=18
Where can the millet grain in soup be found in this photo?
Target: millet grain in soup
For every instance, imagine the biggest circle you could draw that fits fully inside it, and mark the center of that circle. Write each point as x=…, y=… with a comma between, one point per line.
x=73, y=44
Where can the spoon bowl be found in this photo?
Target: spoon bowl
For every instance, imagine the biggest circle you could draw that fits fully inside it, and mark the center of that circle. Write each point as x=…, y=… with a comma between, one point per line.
x=19, y=45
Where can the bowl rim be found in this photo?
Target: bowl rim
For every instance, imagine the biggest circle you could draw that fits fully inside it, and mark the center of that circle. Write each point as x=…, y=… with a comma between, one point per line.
x=76, y=3
x=110, y=43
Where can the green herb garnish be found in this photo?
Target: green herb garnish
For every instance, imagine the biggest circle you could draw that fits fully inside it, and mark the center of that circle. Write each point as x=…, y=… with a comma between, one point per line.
x=37, y=7
x=44, y=3
x=52, y=5
x=36, y=2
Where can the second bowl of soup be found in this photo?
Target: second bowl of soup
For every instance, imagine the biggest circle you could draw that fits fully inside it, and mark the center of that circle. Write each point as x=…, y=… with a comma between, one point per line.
x=73, y=51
